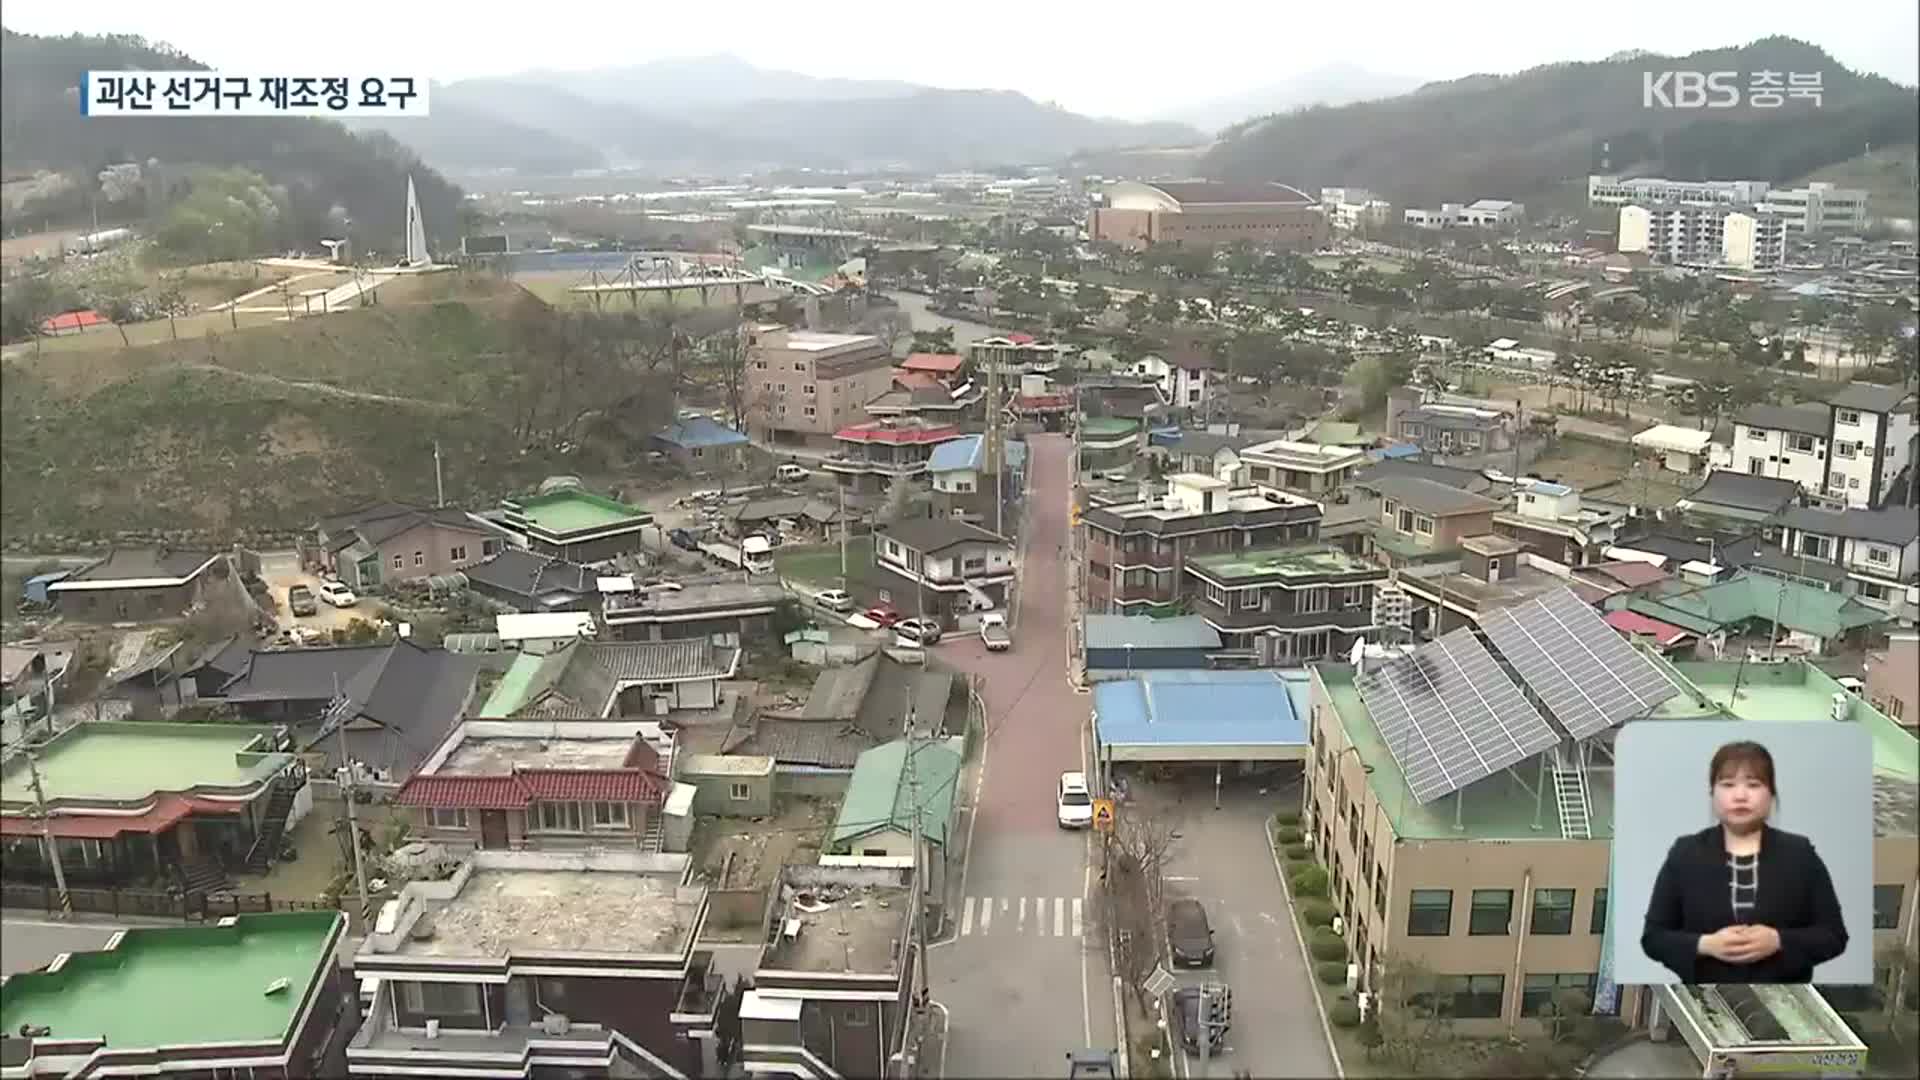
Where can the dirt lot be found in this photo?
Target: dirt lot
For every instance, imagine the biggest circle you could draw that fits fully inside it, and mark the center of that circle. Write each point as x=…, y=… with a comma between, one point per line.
x=747, y=853
x=282, y=571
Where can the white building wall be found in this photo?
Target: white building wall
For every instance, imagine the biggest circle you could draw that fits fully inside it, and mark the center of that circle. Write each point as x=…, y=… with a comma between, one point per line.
x=1636, y=229
x=1767, y=452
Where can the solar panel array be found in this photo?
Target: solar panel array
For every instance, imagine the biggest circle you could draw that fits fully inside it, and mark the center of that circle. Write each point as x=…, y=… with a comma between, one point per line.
x=1451, y=717
x=1588, y=676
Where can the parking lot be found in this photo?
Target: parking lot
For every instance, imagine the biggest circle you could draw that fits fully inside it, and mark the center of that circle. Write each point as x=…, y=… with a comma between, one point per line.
x=1221, y=858
x=281, y=571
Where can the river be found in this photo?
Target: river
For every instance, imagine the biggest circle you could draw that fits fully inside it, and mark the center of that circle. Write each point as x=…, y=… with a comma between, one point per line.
x=964, y=333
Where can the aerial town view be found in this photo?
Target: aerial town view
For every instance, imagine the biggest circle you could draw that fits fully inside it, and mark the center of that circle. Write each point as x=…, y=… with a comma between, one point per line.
x=988, y=541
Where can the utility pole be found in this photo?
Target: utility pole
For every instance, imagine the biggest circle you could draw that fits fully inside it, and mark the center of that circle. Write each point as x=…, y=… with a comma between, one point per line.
x=1773, y=639
x=439, y=489
x=46, y=833
x=995, y=441
x=348, y=787
x=919, y=859
x=842, y=489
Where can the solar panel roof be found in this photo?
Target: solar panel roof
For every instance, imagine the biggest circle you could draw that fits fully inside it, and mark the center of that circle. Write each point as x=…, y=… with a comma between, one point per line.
x=1586, y=674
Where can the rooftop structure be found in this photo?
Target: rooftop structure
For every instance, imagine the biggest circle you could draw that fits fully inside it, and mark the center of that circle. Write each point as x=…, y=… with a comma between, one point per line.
x=584, y=679
x=1143, y=633
x=889, y=789
x=851, y=923
x=1199, y=716
x=699, y=433
x=575, y=524
x=124, y=762
x=1293, y=562
x=137, y=568
x=1197, y=503
x=171, y=996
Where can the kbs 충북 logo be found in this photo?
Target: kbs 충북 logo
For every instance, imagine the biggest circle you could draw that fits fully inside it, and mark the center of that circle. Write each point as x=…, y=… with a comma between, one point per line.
x=1723, y=89
x=215, y=93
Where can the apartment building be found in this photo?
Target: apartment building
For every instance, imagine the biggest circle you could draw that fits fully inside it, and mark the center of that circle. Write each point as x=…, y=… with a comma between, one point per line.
x=1618, y=191
x=1843, y=452
x=1354, y=209
x=1875, y=553
x=1674, y=232
x=527, y=963
x=1754, y=240
x=943, y=568
x=1300, y=467
x=1820, y=208
x=1816, y=208
x=1137, y=551
x=804, y=385
x=1309, y=601
x=1502, y=894
x=874, y=454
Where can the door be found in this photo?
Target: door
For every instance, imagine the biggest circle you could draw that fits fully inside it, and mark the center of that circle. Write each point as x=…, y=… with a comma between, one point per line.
x=493, y=829
x=1757, y=466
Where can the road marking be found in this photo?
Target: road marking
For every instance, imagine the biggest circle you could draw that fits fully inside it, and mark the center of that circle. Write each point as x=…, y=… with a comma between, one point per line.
x=986, y=913
x=1059, y=918
x=1170, y=878
x=1023, y=914
x=966, y=918
x=1076, y=917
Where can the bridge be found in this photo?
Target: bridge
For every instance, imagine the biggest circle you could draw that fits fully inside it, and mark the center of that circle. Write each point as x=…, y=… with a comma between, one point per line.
x=668, y=273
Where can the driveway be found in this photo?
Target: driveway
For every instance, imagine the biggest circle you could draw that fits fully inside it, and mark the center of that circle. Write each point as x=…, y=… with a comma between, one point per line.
x=1221, y=858
x=281, y=570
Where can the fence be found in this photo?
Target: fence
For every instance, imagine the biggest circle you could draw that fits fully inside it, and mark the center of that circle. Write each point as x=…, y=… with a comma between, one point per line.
x=152, y=904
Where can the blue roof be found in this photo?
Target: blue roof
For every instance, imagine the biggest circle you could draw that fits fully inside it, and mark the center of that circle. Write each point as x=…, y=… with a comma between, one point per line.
x=1199, y=708
x=1142, y=632
x=1547, y=487
x=1395, y=453
x=954, y=455
x=699, y=432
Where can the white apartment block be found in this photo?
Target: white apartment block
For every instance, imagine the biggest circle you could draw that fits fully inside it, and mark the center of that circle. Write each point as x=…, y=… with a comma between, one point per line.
x=1754, y=240
x=1672, y=232
x=1185, y=382
x=1350, y=209
x=1845, y=453
x=1816, y=208
x=1878, y=551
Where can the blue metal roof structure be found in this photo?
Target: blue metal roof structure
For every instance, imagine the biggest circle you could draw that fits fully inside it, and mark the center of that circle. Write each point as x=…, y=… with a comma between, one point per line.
x=1193, y=716
x=699, y=433
x=955, y=455
x=1396, y=452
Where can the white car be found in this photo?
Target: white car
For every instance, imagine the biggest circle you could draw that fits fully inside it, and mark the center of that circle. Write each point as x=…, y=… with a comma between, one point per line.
x=1074, y=802
x=834, y=600
x=790, y=473
x=337, y=594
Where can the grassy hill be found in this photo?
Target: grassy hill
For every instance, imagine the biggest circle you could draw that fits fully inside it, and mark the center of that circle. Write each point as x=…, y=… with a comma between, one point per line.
x=1890, y=176
x=264, y=429
x=1525, y=135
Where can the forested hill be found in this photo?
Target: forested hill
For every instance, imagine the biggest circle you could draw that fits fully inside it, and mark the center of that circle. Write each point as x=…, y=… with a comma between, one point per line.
x=1520, y=136
x=330, y=177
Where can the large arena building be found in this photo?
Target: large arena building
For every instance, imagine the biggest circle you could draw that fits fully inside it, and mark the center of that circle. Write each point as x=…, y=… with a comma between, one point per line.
x=1136, y=215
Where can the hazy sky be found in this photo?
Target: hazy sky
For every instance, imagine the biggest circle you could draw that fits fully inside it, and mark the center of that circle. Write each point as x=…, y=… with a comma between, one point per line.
x=1133, y=60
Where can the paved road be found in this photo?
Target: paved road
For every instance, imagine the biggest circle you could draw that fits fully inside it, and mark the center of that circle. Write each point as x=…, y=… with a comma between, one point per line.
x=29, y=940
x=1221, y=858
x=1023, y=974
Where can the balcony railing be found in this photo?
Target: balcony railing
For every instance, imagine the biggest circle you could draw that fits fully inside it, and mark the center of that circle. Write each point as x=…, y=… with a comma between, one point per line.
x=1339, y=618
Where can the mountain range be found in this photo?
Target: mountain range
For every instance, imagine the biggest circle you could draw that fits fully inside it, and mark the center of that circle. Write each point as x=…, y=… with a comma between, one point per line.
x=720, y=113
x=1334, y=84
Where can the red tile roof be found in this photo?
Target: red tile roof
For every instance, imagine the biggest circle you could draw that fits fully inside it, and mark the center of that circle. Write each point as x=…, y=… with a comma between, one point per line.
x=884, y=433
x=523, y=787
x=1021, y=339
x=1632, y=622
x=1041, y=402
x=916, y=380
x=938, y=363
x=166, y=812
x=72, y=320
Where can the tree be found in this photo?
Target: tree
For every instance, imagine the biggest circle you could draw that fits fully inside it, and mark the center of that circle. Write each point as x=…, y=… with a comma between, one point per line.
x=1091, y=298
x=226, y=214
x=939, y=340
x=889, y=324
x=1133, y=893
x=1414, y=1029
x=1166, y=308
x=1138, y=308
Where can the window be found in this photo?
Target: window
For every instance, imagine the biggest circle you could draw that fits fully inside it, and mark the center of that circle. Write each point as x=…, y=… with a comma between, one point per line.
x=1879, y=556
x=1380, y=890
x=458, y=553
x=1353, y=596
x=609, y=815
x=1552, y=911
x=419, y=558
x=1844, y=449
x=1470, y=997
x=1423, y=525
x=1598, y=923
x=489, y=548
x=438, y=999
x=1537, y=993
x=1491, y=913
x=1430, y=913
x=809, y=410
x=1894, y=708
x=448, y=819
x=1800, y=444
x=559, y=817
x=1312, y=601
x=1886, y=907
x=1815, y=547
x=1756, y=434
x=398, y=562
x=1853, y=483
x=1847, y=416
x=1406, y=521
x=807, y=388
x=739, y=792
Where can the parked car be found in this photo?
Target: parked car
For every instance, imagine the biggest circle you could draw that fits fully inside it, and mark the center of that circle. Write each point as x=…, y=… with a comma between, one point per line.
x=1072, y=801
x=834, y=600
x=1186, y=1011
x=1188, y=933
x=684, y=539
x=790, y=473
x=337, y=594
x=994, y=632
x=300, y=601
x=920, y=632
x=883, y=615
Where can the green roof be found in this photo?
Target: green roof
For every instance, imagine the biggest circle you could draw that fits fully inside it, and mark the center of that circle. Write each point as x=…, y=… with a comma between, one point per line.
x=514, y=689
x=1108, y=425
x=1299, y=560
x=1338, y=433
x=180, y=986
x=129, y=761
x=1746, y=597
x=572, y=510
x=879, y=796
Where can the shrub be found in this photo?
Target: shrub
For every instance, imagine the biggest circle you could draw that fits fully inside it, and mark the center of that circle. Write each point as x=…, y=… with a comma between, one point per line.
x=1286, y=835
x=1317, y=913
x=1326, y=945
x=1344, y=1014
x=1287, y=819
x=1332, y=973
x=1297, y=853
x=1310, y=882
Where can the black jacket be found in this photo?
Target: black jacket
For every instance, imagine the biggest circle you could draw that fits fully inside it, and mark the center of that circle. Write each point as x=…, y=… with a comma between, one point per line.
x=1691, y=899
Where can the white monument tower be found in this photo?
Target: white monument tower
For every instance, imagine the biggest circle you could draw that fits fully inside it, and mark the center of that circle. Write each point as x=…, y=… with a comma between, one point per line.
x=416, y=256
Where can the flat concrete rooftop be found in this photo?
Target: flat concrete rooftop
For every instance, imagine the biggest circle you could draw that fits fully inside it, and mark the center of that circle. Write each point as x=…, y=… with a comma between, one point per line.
x=497, y=757
x=1306, y=560
x=863, y=931
x=501, y=911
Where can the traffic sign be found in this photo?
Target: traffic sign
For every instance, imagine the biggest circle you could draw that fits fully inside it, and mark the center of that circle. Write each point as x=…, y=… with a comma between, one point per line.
x=1103, y=814
x=1159, y=982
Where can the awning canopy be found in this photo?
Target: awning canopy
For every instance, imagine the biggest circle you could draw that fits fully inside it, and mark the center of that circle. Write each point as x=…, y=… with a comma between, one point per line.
x=166, y=812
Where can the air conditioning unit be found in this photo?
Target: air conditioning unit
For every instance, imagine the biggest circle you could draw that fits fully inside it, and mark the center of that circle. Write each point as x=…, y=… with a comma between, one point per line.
x=433, y=1029
x=1339, y=925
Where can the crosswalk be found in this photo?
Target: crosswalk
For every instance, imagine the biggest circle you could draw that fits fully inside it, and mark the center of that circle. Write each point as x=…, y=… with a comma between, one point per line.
x=1040, y=916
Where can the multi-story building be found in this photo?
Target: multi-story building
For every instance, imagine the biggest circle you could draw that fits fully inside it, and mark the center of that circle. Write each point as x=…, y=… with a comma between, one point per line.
x=942, y=568
x=1445, y=427
x=1616, y=191
x=1820, y=208
x=1754, y=240
x=390, y=542
x=1843, y=452
x=1893, y=673
x=1454, y=567
x=1354, y=209
x=1548, y=520
x=1186, y=378
x=1017, y=355
x=1479, y=214
x=804, y=385
x=1877, y=552
x=1504, y=895
x=1816, y=208
x=1304, y=468
x=833, y=993
x=525, y=963
x=1137, y=551
x=874, y=454
x=574, y=524
x=1309, y=601
x=1110, y=444
x=1136, y=215
x=1673, y=232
